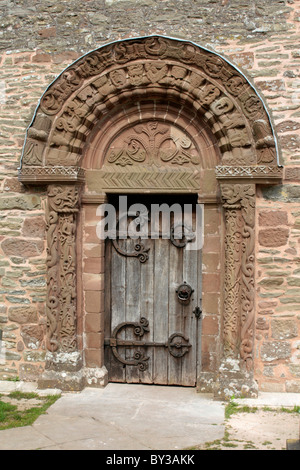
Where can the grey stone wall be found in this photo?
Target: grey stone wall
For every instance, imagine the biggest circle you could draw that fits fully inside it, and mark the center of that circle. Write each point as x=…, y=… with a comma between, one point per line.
x=79, y=25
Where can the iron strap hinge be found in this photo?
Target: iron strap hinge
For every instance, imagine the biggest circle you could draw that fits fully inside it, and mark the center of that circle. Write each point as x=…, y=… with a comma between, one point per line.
x=178, y=345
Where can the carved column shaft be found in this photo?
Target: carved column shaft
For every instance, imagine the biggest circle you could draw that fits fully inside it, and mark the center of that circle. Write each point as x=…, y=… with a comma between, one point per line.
x=231, y=317
x=239, y=289
x=61, y=261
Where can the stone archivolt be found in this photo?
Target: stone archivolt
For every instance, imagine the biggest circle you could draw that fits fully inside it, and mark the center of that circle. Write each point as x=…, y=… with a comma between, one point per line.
x=153, y=114
x=156, y=67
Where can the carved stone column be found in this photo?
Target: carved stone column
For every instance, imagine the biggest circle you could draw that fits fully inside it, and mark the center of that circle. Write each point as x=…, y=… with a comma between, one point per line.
x=63, y=360
x=236, y=371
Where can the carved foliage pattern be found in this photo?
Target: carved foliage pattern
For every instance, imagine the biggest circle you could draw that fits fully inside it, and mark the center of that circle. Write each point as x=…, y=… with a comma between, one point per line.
x=239, y=205
x=154, y=143
x=61, y=263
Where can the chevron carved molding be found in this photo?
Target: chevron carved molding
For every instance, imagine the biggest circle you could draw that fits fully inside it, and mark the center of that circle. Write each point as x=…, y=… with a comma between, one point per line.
x=180, y=180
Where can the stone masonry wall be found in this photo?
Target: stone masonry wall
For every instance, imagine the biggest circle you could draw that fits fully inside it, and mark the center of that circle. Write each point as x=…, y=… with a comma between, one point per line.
x=38, y=39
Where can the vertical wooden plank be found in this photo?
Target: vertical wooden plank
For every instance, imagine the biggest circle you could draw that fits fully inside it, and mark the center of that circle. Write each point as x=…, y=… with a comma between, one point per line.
x=189, y=322
x=107, y=314
x=133, y=307
x=118, y=307
x=161, y=301
x=199, y=321
x=175, y=311
x=147, y=306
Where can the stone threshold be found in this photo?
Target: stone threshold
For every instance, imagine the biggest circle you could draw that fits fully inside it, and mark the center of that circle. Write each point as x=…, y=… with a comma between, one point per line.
x=271, y=399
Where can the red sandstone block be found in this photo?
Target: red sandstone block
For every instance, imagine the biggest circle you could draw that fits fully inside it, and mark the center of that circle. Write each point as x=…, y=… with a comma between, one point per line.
x=92, y=323
x=273, y=218
x=92, y=302
x=93, y=265
x=93, y=282
x=41, y=57
x=94, y=250
x=93, y=340
x=93, y=358
x=90, y=234
x=210, y=303
x=211, y=282
x=210, y=325
x=47, y=32
x=208, y=344
x=212, y=244
x=273, y=237
x=208, y=362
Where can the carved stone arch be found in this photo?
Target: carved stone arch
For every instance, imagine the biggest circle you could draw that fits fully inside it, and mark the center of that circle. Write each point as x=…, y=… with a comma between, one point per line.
x=155, y=114
x=129, y=71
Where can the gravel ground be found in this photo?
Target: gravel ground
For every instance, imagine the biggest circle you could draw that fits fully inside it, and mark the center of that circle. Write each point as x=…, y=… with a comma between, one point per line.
x=260, y=430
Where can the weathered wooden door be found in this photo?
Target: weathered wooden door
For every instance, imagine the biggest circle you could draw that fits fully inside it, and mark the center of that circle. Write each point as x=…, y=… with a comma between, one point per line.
x=152, y=327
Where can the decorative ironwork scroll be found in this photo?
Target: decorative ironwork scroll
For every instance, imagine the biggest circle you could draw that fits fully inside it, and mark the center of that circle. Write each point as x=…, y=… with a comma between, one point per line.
x=178, y=345
x=61, y=262
x=140, y=251
x=181, y=235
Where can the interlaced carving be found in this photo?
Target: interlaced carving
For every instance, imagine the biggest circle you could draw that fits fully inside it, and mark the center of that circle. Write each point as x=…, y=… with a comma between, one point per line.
x=61, y=262
x=239, y=205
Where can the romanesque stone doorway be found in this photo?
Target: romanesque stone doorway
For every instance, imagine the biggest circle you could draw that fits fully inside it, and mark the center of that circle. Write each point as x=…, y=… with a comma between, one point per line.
x=151, y=115
x=153, y=297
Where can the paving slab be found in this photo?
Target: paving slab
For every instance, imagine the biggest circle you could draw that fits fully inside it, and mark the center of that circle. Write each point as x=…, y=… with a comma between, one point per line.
x=123, y=417
x=142, y=417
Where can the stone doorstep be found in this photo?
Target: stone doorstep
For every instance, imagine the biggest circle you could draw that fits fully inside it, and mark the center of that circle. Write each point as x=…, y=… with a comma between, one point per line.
x=272, y=400
x=7, y=387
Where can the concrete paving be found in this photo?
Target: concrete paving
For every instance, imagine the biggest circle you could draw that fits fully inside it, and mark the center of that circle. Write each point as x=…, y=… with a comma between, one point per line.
x=122, y=417
x=128, y=417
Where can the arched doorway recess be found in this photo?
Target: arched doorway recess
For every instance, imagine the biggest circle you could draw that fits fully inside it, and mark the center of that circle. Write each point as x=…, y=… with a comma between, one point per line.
x=144, y=116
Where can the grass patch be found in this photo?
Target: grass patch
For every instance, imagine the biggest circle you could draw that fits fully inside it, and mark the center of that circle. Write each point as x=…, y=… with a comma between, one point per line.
x=12, y=416
x=233, y=408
